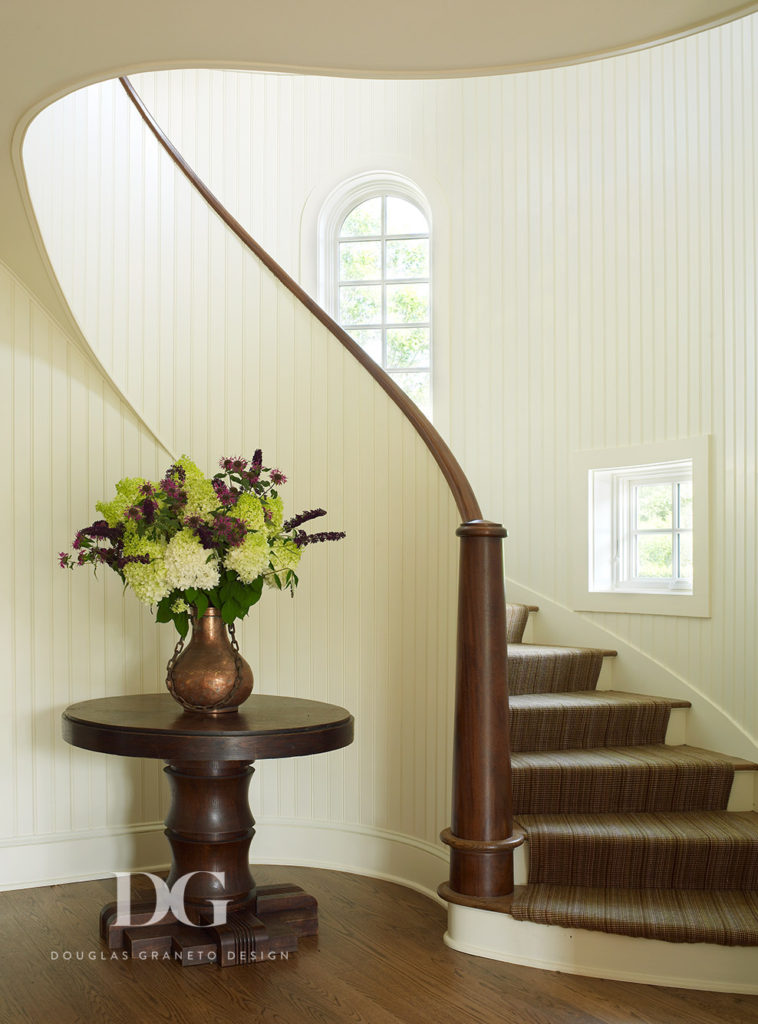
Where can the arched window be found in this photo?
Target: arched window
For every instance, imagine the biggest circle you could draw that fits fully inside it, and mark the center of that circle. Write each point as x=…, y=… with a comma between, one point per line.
x=379, y=278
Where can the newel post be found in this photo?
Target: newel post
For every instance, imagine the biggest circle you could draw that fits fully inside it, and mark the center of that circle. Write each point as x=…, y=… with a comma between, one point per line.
x=481, y=836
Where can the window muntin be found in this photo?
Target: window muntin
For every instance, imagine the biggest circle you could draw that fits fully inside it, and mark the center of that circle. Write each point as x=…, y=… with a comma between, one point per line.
x=384, y=288
x=653, y=527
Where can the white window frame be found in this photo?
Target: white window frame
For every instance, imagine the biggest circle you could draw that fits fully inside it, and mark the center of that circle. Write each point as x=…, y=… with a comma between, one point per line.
x=601, y=519
x=344, y=199
x=625, y=532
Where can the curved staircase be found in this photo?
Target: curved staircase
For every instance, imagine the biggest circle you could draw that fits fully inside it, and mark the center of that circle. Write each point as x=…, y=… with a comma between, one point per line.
x=624, y=834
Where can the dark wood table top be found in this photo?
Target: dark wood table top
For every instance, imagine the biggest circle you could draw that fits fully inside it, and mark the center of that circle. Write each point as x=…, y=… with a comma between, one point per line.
x=154, y=725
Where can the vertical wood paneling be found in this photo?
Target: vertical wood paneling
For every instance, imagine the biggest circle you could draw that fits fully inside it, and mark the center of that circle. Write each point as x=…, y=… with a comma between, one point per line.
x=617, y=305
x=602, y=292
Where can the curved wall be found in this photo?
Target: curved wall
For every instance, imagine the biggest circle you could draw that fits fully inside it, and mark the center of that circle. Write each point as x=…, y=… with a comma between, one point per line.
x=600, y=277
x=219, y=358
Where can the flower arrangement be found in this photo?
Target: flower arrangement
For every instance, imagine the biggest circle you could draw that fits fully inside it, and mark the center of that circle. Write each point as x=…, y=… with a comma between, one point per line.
x=189, y=542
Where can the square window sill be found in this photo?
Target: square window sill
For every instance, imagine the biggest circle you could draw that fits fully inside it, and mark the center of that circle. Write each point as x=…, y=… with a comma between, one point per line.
x=644, y=603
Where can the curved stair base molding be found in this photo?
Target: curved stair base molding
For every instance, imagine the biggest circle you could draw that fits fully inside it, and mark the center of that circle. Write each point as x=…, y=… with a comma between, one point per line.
x=703, y=966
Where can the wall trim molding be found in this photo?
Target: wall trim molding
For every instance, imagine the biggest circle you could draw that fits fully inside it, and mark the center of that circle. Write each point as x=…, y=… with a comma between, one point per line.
x=76, y=856
x=702, y=966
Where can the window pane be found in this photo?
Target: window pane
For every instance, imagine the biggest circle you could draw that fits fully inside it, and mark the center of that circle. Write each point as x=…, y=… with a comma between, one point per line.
x=408, y=259
x=654, y=557
x=685, y=505
x=418, y=387
x=403, y=218
x=371, y=342
x=360, y=260
x=365, y=219
x=361, y=305
x=408, y=347
x=685, y=555
x=407, y=303
x=654, y=506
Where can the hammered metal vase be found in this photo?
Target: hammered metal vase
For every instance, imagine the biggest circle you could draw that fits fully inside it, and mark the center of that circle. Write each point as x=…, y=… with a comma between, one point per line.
x=209, y=676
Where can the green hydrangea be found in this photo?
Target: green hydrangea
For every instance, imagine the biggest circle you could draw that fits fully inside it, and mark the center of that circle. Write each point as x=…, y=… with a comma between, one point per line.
x=201, y=498
x=250, y=559
x=148, y=581
x=250, y=510
x=127, y=494
x=275, y=506
x=285, y=556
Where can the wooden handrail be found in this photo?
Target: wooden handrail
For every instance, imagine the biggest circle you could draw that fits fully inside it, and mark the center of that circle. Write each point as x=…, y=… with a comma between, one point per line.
x=462, y=491
x=481, y=838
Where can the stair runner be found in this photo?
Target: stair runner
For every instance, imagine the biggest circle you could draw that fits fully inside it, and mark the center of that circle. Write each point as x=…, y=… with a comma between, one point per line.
x=625, y=834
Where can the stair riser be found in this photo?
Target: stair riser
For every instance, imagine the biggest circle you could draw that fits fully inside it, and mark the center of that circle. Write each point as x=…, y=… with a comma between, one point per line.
x=573, y=729
x=537, y=792
x=645, y=865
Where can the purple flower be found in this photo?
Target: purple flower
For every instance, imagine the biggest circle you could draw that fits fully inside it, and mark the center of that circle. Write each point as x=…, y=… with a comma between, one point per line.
x=202, y=530
x=303, y=538
x=148, y=490
x=257, y=463
x=226, y=495
x=64, y=559
x=233, y=465
x=277, y=477
x=303, y=517
x=172, y=490
x=148, y=508
x=228, y=530
x=134, y=513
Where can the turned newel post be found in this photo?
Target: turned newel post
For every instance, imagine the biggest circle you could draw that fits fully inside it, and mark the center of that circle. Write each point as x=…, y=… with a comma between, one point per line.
x=481, y=836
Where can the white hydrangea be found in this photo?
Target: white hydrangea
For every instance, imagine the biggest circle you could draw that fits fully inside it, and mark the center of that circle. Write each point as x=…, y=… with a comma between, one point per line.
x=250, y=559
x=187, y=563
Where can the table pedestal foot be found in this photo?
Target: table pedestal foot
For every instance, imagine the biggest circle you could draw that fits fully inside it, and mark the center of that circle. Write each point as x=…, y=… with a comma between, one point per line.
x=267, y=929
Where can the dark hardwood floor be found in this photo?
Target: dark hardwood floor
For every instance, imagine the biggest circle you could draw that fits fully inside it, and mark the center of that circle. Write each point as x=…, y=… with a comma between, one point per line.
x=379, y=959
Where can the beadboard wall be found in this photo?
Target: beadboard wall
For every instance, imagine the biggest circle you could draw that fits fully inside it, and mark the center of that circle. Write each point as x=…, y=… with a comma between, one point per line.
x=596, y=282
x=218, y=358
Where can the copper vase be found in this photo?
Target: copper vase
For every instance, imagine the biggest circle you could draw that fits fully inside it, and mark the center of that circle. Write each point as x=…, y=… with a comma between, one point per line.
x=209, y=675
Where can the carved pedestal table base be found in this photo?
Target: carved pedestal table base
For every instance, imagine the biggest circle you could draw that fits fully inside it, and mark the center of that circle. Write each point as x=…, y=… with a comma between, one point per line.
x=212, y=911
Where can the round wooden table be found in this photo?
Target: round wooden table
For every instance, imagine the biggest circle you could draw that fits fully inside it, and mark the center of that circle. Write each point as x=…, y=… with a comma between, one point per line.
x=209, y=825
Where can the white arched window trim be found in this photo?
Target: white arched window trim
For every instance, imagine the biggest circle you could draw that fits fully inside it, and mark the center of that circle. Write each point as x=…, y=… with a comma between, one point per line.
x=335, y=208
x=340, y=202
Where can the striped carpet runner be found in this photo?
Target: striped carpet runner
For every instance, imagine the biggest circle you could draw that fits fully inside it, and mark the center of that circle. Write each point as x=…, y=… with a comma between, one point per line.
x=625, y=834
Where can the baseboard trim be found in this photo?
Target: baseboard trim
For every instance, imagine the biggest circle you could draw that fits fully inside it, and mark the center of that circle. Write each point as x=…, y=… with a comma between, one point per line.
x=55, y=859
x=701, y=966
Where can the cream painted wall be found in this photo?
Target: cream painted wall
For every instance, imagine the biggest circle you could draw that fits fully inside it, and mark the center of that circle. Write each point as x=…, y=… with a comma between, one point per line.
x=600, y=223
x=600, y=273
x=219, y=358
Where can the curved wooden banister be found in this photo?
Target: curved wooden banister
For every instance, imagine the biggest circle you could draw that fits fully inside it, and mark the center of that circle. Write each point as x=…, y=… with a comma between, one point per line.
x=481, y=838
x=462, y=491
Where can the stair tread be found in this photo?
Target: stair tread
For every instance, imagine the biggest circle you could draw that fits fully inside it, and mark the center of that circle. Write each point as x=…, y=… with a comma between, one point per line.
x=522, y=650
x=721, y=916
x=648, y=824
x=637, y=755
x=589, y=699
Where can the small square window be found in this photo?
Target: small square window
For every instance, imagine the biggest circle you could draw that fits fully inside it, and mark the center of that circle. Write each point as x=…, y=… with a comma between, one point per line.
x=646, y=529
x=651, y=527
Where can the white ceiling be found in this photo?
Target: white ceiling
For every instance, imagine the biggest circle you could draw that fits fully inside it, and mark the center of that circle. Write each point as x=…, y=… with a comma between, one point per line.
x=48, y=47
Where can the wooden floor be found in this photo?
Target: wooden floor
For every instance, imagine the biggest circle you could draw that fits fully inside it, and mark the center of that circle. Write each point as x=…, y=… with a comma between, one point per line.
x=379, y=958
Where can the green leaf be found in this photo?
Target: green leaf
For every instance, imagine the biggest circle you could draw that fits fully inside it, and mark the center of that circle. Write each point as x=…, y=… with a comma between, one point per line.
x=190, y=595
x=230, y=611
x=181, y=621
x=201, y=603
x=163, y=611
